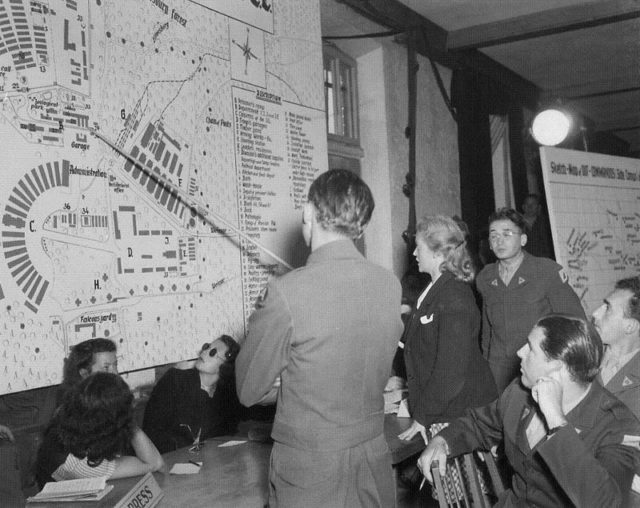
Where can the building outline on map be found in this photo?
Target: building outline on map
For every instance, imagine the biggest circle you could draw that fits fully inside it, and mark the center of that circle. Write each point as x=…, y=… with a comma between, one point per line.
x=91, y=246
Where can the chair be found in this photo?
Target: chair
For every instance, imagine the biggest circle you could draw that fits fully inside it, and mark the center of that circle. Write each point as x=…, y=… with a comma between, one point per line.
x=470, y=481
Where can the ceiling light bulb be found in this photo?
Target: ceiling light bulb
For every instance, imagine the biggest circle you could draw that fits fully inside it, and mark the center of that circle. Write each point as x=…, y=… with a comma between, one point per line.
x=550, y=127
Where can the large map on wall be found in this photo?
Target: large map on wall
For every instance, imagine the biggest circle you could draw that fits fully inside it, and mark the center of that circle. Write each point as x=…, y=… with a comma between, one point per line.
x=101, y=101
x=594, y=210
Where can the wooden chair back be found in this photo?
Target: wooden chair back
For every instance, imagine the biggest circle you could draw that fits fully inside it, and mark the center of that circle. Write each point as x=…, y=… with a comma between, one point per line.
x=470, y=481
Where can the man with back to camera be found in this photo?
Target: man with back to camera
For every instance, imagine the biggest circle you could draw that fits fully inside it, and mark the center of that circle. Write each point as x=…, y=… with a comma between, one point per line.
x=328, y=331
x=516, y=291
x=569, y=441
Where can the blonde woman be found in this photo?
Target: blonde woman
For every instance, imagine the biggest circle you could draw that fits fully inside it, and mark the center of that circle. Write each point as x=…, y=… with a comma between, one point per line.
x=446, y=372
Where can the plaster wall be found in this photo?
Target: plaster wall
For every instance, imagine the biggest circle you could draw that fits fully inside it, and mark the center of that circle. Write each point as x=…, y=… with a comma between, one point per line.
x=383, y=108
x=437, y=178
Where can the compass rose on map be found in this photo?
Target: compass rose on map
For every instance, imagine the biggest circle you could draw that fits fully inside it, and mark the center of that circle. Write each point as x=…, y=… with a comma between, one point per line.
x=247, y=54
x=246, y=51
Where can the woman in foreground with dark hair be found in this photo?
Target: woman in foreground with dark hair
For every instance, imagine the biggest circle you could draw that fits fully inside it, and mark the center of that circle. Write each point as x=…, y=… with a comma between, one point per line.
x=445, y=369
x=86, y=358
x=90, y=431
x=188, y=406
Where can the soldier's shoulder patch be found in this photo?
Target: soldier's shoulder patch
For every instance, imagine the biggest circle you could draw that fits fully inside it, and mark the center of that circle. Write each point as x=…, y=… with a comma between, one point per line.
x=631, y=440
x=563, y=276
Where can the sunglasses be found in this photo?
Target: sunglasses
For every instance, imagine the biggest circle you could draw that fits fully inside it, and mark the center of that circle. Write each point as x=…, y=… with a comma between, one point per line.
x=214, y=352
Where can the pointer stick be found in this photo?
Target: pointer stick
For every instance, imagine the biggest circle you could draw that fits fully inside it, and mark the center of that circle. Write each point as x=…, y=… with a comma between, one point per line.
x=185, y=199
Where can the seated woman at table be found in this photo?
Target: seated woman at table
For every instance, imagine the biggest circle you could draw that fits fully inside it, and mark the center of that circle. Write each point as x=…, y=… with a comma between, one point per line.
x=86, y=358
x=188, y=406
x=446, y=372
x=90, y=431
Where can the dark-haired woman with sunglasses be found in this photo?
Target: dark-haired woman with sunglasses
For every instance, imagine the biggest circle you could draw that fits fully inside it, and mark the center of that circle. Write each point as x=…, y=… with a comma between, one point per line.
x=188, y=406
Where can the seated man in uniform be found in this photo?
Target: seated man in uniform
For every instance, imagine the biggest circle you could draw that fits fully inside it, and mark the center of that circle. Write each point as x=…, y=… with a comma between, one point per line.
x=618, y=323
x=569, y=441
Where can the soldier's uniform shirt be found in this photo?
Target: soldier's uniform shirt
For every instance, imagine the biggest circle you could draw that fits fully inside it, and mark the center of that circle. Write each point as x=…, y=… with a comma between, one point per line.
x=329, y=330
x=538, y=287
x=625, y=383
x=587, y=463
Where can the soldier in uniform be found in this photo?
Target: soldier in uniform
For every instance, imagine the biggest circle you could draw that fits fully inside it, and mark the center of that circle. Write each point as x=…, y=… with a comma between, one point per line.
x=516, y=291
x=569, y=441
x=618, y=323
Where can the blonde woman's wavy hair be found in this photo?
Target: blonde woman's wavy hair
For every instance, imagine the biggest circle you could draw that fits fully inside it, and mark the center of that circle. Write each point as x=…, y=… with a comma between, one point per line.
x=442, y=234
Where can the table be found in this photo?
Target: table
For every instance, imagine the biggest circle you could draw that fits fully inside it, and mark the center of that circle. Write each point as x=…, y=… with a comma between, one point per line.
x=231, y=476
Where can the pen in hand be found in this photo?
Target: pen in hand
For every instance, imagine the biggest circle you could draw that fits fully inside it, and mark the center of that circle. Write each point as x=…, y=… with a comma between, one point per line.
x=424, y=479
x=195, y=463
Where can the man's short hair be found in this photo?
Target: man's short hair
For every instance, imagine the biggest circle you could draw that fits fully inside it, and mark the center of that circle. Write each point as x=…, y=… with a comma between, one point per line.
x=509, y=214
x=631, y=284
x=343, y=202
x=573, y=341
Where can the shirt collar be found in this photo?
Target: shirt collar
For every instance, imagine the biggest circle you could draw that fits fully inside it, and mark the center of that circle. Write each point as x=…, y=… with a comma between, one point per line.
x=334, y=250
x=586, y=412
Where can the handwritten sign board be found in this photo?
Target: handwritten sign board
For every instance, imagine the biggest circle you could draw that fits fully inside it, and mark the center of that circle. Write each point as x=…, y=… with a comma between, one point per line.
x=594, y=210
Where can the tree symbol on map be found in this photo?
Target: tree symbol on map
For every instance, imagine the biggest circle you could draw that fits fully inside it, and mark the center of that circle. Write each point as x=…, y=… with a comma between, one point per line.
x=246, y=51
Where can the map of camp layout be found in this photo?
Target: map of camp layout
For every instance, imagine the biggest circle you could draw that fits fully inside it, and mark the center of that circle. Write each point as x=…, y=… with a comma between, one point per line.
x=145, y=146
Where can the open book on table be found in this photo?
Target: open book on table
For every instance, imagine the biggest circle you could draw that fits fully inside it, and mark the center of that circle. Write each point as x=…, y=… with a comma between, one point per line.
x=85, y=489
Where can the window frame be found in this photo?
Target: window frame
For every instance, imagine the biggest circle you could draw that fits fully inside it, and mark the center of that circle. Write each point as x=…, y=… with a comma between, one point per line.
x=345, y=113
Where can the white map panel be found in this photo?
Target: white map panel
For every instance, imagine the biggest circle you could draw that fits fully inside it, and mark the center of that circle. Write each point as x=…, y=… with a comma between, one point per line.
x=594, y=209
x=91, y=245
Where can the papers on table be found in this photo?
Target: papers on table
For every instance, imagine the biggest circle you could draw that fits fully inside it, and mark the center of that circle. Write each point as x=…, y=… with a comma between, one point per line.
x=231, y=443
x=85, y=489
x=392, y=400
x=186, y=468
x=403, y=409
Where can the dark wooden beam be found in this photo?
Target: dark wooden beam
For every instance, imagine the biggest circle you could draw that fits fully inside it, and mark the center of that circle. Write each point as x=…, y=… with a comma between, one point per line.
x=528, y=93
x=551, y=21
x=430, y=41
x=396, y=15
x=619, y=126
x=602, y=94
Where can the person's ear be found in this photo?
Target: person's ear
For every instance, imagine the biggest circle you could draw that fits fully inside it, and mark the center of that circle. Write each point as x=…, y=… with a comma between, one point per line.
x=631, y=326
x=84, y=373
x=559, y=371
x=523, y=239
x=307, y=213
